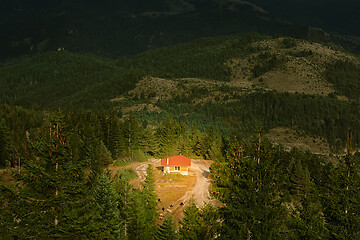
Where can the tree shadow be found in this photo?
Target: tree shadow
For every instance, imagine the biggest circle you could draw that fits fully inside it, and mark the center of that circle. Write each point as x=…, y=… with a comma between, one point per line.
x=205, y=173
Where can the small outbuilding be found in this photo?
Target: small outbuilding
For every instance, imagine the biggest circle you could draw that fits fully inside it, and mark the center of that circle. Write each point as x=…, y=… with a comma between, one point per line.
x=176, y=164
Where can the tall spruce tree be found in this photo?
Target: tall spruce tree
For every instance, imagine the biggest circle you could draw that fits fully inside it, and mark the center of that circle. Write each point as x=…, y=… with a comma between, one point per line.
x=125, y=201
x=150, y=200
x=307, y=220
x=50, y=200
x=248, y=183
x=6, y=147
x=342, y=198
x=137, y=227
x=191, y=223
x=107, y=215
x=168, y=229
x=200, y=223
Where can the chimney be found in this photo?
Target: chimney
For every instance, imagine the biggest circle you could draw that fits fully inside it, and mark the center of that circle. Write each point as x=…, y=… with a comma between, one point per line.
x=167, y=161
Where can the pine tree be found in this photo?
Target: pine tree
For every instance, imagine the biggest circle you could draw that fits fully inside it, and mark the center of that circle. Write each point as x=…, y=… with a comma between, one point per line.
x=198, y=144
x=133, y=133
x=102, y=157
x=191, y=223
x=248, y=183
x=167, y=134
x=148, y=142
x=5, y=144
x=342, y=199
x=137, y=227
x=168, y=229
x=52, y=198
x=150, y=200
x=125, y=201
x=138, y=208
x=108, y=221
x=307, y=220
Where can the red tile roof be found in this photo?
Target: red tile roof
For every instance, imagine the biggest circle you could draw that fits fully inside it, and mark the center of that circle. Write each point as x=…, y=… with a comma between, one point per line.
x=178, y=160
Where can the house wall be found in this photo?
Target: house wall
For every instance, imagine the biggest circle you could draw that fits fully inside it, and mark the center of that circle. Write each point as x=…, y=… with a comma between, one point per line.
x=171, y=169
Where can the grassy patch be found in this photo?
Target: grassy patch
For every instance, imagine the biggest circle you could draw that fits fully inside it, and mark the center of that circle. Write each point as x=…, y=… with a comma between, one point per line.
x=121, y=163
x=174, y=177
x=127, y=173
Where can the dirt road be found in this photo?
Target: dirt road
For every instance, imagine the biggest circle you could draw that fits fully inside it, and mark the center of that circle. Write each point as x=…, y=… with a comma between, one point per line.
x=200, y=191
x=141, y=169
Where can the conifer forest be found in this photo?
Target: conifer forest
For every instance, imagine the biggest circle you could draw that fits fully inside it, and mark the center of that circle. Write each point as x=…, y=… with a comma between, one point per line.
x=95, y=97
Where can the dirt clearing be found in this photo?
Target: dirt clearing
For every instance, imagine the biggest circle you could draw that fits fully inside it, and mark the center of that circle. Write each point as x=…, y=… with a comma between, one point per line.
x=175, y=190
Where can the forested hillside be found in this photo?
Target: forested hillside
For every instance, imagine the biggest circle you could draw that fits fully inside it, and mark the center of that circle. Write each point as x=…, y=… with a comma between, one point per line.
x=63, y=191
x=237, y=83
x=64, y=117
x=111, y=28
x=333, y=16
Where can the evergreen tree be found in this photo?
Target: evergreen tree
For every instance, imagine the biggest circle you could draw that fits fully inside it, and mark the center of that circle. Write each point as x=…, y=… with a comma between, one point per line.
x=148, y=142
x=167, y=134
x=150, y=200
x=5, y=144
x=307, y=220
x=138, y=208
x=190, y=224
x=342, y=199
x=107, y=212
x=168, y=229
x=51, y=200
x=199, y=223
x=125, y=201
x=132, y=132
x=248, y=183
x=198, y=144
x=138, y=227
x=101, y=158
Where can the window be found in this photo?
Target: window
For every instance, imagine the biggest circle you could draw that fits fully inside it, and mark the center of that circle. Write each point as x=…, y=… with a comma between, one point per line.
x=177, y=168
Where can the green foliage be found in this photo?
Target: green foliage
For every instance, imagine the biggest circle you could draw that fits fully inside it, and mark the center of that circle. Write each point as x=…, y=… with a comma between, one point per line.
x=307, y=220
x=140, y=215
x=51, y=199
x=107, y=218
x=190, y=224
x=139, y=156
x=6, y=151
x=168, y=229
x=345, y=76
x=199, y=223
x=22, y=126
x=127, y=174
x=319, y=116
x=56, y=78
x=267, y=192
x=248, y=183
x=265, y=64
x=289, y=42
x=341, y=199
x=121, y=163
x=150, y=201
x=202, y=58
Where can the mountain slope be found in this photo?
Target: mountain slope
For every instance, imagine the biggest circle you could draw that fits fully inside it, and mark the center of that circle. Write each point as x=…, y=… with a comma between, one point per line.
x=237, y=83
x=247, y=62
x=61, y=78
x=340, y=16
x=117, y=28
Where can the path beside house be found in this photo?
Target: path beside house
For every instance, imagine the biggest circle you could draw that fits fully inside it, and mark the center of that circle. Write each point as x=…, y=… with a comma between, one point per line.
x=141, y=169
x=200, y=191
